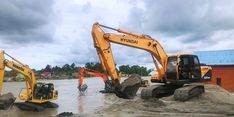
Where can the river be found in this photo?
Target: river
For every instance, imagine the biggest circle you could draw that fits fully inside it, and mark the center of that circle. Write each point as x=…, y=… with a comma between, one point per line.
x=69, y=98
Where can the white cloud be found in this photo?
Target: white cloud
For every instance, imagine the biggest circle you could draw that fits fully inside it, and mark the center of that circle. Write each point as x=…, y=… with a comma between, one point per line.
x=62, y=34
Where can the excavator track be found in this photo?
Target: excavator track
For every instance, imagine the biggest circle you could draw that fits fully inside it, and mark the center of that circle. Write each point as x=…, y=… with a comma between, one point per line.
x=187, y=92
x=28, y=106
x=158, y=91
x=37, y=107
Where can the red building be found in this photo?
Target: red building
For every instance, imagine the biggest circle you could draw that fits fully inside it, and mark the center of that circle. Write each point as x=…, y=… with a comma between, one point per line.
x=222, y=63
x=223, y=75
x=46, y=74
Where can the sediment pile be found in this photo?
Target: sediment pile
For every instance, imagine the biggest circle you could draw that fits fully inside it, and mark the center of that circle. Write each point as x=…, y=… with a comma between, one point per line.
x=215, y=102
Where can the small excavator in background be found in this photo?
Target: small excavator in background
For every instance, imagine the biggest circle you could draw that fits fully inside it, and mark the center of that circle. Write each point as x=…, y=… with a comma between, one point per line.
x=177, y=73
x=36, y=95
x=108, y=84
x=82, y=87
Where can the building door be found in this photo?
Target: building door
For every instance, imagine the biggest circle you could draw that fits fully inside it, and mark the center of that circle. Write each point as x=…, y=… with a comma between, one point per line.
x=218, y=81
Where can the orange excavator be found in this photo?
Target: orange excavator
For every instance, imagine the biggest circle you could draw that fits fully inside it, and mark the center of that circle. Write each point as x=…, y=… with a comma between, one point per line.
x=108, y=84
x=177, y=73
x=82, y=87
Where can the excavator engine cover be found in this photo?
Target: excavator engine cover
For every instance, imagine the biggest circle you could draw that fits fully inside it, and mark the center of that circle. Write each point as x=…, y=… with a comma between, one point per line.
x=128, y=88
x=6, y=100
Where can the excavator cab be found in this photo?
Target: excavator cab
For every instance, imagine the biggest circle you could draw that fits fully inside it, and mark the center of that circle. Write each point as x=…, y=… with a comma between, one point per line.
x=183, y=69
x=189, y=68
x=44, y=91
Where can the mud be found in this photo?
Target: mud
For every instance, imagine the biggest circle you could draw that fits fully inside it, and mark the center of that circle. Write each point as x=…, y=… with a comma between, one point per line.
x=215, y=102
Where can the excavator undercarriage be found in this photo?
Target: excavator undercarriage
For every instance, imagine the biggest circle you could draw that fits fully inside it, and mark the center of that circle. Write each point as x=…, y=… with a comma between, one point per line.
x=38, y=107
x=180, y=92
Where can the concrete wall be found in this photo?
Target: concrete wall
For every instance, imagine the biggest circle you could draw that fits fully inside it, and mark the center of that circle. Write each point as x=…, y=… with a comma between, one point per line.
x=225, y=74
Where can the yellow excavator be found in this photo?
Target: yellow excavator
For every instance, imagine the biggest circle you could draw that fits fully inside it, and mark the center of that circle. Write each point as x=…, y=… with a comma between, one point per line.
x=177, y=73
x=36, y=95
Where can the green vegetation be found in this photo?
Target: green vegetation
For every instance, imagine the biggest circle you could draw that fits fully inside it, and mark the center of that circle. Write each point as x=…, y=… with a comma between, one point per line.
x=70, y=71
x=64, y=70
x=135, y=69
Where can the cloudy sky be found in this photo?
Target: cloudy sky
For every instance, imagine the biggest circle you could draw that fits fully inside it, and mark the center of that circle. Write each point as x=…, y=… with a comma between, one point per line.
x=56, y=32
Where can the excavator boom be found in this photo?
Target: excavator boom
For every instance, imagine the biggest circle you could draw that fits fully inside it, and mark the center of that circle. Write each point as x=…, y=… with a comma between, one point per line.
x=102, y=44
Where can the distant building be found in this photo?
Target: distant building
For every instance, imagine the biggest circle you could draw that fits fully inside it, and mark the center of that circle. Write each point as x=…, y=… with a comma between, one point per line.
x=46, y=74
x=222, y=63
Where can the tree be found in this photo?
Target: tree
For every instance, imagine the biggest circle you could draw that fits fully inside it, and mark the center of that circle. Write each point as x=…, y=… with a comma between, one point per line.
x=125, y=69
x=48, y=68
x=67, y=69
x=135, y=69
x=73, y=65
x=98, y=67
x=94, y=66
x=89, y=65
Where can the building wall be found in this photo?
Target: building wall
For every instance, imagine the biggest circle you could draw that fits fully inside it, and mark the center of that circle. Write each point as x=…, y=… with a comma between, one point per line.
x=226, y=74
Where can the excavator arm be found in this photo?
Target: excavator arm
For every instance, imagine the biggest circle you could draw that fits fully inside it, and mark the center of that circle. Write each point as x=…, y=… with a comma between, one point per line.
x=82, y=72
x=102, y=44
x=82, y=87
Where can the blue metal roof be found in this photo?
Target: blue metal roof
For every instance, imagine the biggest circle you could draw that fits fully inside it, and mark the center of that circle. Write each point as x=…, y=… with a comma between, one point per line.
x=218, y=57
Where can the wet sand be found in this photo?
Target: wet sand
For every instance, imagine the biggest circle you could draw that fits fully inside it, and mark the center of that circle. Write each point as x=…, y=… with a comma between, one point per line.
x=215, y=102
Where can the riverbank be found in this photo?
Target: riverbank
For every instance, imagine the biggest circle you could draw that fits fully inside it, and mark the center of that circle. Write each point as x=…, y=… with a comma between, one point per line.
x=215, y=102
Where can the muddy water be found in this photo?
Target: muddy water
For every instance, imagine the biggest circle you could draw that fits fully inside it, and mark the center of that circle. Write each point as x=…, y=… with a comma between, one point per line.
x=70, y=100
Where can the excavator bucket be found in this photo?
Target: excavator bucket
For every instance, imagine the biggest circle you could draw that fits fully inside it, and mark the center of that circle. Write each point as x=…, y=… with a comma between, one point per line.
x=128, y=88
x=109, y=88
x=6, y=100
x=82, y=88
